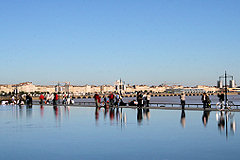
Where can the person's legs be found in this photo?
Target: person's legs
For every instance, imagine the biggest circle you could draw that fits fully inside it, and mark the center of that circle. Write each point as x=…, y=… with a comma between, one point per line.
x=204, y=104
x=183, y=104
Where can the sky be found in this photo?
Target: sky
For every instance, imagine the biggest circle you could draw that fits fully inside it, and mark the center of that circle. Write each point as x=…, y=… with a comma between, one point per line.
x=99, y=41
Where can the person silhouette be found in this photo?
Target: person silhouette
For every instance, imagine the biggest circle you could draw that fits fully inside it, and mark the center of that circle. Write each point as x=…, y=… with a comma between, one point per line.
x=221, y=122
x=139, y=115
x=183, y=99
x=205, y=117
x=183, y=119
x=97, y=113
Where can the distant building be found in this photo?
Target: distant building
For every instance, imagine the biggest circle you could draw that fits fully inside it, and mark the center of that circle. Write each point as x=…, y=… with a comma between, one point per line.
x=232, y=84
x=219, y=84
x=119, y=86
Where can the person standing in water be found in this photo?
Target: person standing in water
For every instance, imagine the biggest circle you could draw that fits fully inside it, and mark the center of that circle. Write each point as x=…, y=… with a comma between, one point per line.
x=182, y=99
x=111, y=99
x=55, y=99
x=41, y=98
x=204, y=100
x=97, y=99
x=139, y=99
x=148, y=99
x=29, y=100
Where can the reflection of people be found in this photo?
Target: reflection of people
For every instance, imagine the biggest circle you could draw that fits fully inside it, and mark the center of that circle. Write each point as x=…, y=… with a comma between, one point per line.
x=97, y=113
x=67, y=110
x=42, y=110
x=221, y=122
x=117, y=114
x=139, y=115
x=105, y=112
x=223, y=119
x=29, y=111
x=205, y=117
x=233, y=126
x=111, y=114
x=182, y=99
x=146, y=113
x=55, y=108
x=183, y=120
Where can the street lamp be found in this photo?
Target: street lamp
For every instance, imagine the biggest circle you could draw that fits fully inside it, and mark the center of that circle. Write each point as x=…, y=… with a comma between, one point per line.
x=225, y=77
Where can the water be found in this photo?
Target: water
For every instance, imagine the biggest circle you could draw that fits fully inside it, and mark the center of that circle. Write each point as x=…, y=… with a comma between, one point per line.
x=87, y=133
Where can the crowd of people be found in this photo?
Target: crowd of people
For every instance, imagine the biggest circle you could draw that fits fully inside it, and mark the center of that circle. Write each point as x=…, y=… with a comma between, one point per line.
x=27, y=99
x=116, y=99
x=19, y=100
x=110, y=100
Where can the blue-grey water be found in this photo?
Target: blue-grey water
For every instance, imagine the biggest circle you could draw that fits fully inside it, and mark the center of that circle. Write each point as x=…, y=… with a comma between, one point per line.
x=86, y=133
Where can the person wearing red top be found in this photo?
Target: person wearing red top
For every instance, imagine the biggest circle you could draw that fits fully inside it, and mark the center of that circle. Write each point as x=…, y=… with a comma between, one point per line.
x=111, y=99
x=97, y=99
x=41, y=98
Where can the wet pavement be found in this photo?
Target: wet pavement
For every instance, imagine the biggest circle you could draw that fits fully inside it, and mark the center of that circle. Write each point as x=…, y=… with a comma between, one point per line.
x=45, y=132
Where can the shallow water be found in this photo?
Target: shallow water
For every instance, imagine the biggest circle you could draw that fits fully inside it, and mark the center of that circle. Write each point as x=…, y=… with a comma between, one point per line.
x=87, y=133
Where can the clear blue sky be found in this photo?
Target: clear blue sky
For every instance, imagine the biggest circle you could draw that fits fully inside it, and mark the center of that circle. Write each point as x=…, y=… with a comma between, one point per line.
x=98, y=41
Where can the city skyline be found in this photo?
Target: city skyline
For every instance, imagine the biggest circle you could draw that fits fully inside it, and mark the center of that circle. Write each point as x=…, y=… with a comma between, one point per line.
x=97, y=42
x=63, y=83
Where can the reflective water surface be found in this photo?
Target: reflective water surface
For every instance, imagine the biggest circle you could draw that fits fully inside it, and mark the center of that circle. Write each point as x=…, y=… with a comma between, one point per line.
x=45, y=132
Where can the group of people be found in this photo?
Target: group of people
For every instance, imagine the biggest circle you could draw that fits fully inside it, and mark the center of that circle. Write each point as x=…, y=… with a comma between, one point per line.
x=21, y=100
x=143, y=99
x=67, y=100
x=205, y=100
x=108, y=100
x=117, y=100
x=48, y=98
x=113, y=99
x=28, y=100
